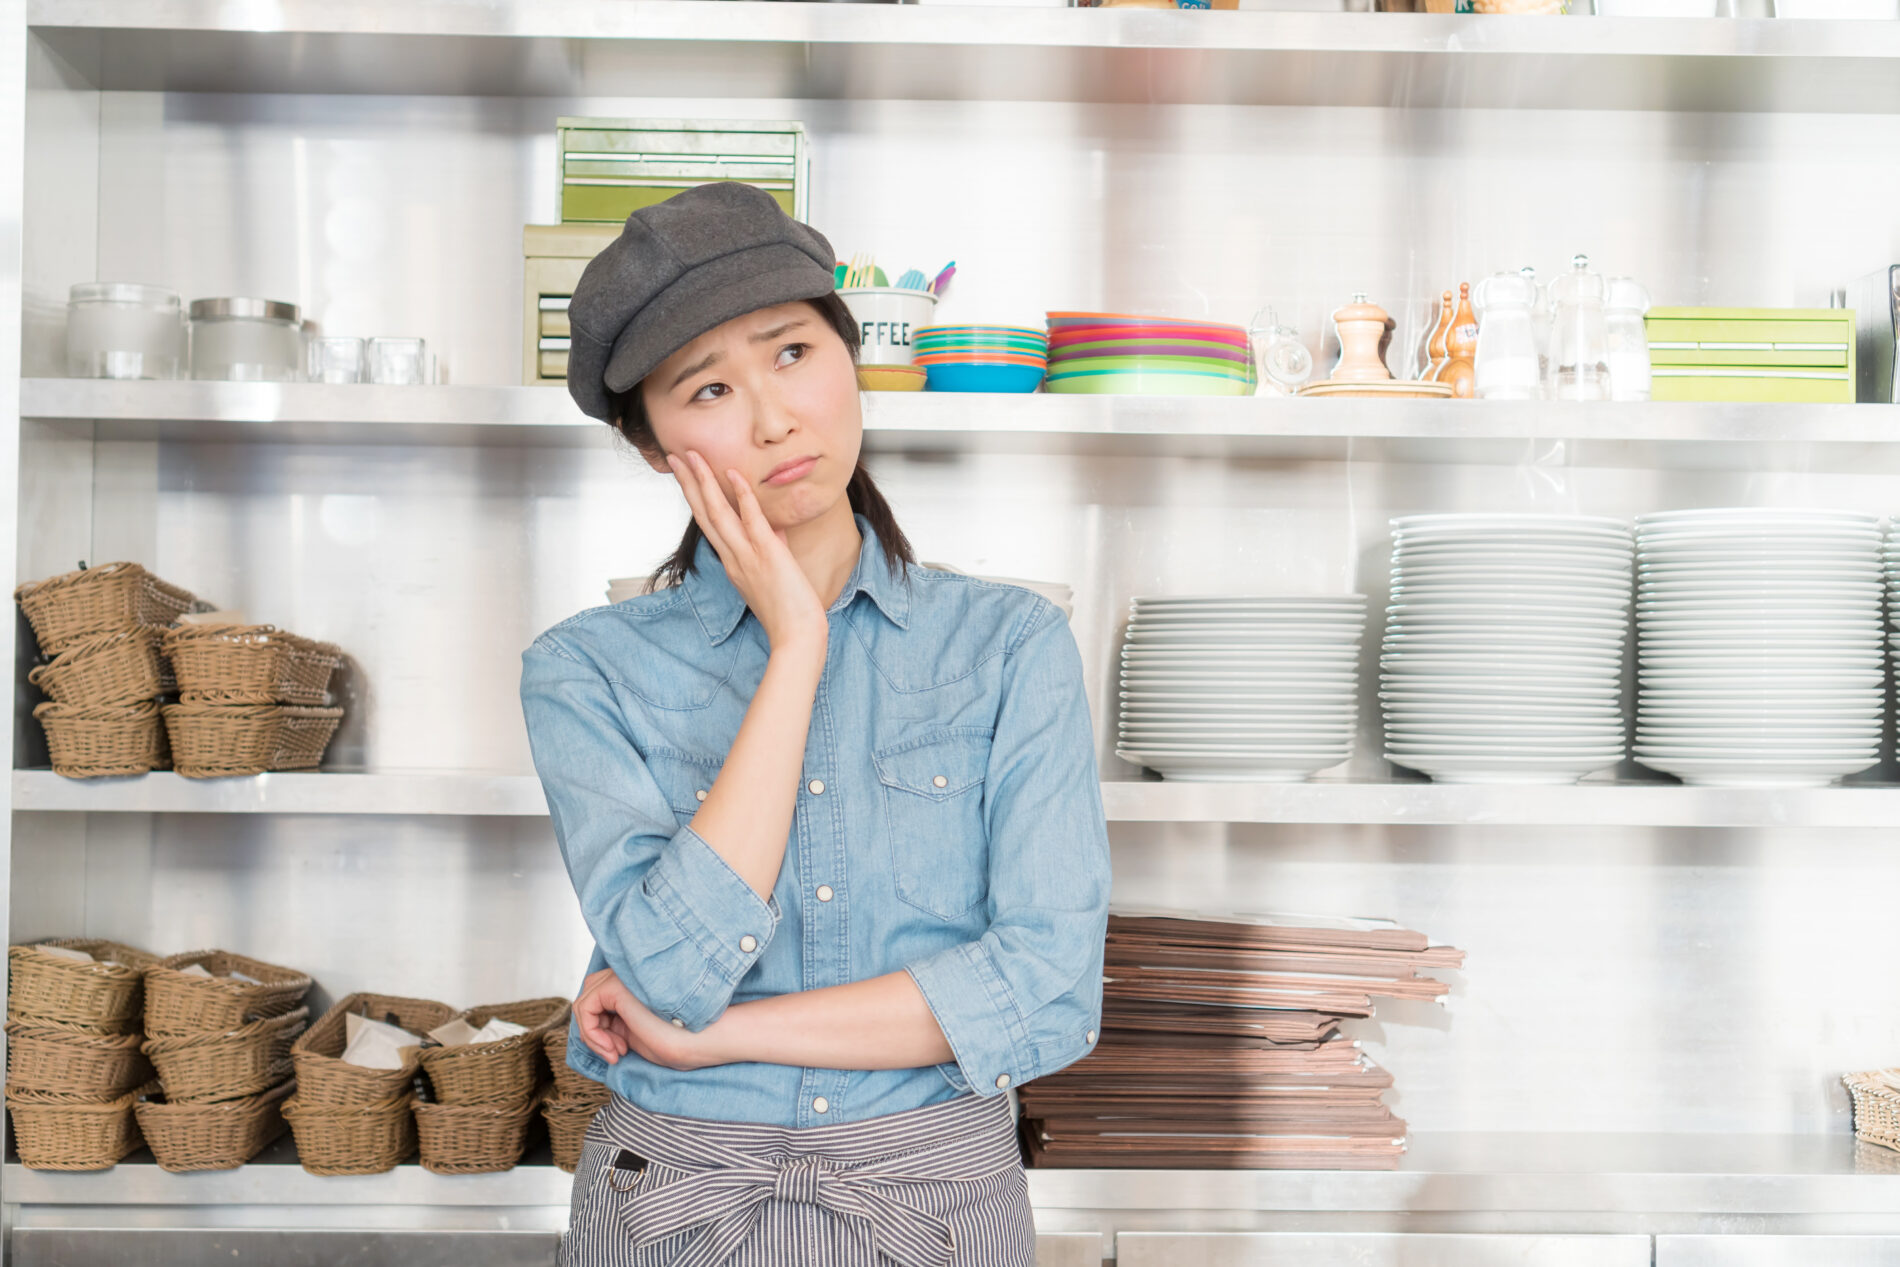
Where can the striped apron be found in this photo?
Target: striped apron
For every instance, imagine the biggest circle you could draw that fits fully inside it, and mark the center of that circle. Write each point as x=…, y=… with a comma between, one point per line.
x=940, y=1186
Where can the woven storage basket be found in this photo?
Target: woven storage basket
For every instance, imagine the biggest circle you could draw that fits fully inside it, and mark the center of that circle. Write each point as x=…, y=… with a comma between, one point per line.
x=250, y=664
x=505, y=1071
x=68, y=609
x=178, y=1003
x=212, y=741
x=570, y=1085
x=474, y=1139
x=57, y=1132
x=73, y=1062
x=202, y=1068
x=365, y=1139
x=322, y=1077
x=568, y=1121
x=1876, y=1098
x=87, y=742
x=121, y=667
x=104, y=998
x=213, y=1136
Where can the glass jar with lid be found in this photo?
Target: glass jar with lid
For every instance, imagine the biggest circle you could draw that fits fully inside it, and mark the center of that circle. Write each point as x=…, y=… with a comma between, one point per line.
x=246, y=340
x=1579, y=335
x=123, y=330
x=1628, y=339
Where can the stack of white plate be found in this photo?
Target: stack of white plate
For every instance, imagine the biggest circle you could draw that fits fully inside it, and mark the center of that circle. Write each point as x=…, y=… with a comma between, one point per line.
x=1759, y=645
x=621, y=588
x=1241, y=689
x=1503, y=654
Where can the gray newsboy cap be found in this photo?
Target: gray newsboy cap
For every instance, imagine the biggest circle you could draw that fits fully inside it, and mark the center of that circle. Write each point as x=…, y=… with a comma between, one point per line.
x=679, y=268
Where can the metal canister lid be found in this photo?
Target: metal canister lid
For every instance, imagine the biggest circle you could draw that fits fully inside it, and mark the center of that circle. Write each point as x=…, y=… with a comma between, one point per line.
x=155, y=297
x=255, y=309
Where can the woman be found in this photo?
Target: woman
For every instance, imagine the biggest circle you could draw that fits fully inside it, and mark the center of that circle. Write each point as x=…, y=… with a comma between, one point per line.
x=833, y=818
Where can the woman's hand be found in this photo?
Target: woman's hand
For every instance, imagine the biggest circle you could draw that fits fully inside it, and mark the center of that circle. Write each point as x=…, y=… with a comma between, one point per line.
x=757, y=559
x=613, y=1022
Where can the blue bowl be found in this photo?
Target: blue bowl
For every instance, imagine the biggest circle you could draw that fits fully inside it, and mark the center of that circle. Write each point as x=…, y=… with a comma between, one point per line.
x=982, y=378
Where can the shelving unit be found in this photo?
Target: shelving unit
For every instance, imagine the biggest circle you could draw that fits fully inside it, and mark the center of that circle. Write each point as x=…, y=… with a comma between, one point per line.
x=1664, y=982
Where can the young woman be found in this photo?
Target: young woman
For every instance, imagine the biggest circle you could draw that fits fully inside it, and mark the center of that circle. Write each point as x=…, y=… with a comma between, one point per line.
x=833, y=818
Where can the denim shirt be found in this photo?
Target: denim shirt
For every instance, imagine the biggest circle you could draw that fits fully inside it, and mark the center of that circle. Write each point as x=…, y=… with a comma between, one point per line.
x=948, y=823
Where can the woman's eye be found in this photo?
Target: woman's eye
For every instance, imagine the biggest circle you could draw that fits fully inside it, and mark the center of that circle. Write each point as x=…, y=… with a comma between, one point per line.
x=792, y=352
x=711, y=391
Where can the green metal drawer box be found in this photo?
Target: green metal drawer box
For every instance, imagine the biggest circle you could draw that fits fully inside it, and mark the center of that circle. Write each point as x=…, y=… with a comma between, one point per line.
x=1752, y=354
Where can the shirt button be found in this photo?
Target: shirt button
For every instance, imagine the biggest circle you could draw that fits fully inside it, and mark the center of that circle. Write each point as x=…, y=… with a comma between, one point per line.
x=940, y=781
x=817, y=787
x=1091, y=1036
x=1002, y=1080
x=821, y=1105
x=748, y=943
x=824, y=893
x=677, y=1021
x=700, y=795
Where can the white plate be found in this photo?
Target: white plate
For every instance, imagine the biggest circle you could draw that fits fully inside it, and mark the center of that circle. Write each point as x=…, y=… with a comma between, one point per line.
x=1604, y=564
x=1192, y=682
x=1320, y=637
x=1760, y=514
x=1227, y=652
x=1456, y=706
x=1541, y=663
x=1504, y=616
x=1235, y=698
x=1313, y=630
x=1503, y=738
x=1508, y=574
x=1774, y=623
x=1604, y=752
x=1218, y=769
x=1274, y=602
x=1490, y=520
x=1740, y=685
x=1760, y=698
x=1744, y=715
x=1752, y=591
x=1764, y=569
x=1731, y=643
x=1720, y=773
x=1529, y=771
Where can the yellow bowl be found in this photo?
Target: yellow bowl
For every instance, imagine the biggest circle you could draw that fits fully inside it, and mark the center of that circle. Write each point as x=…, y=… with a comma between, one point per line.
x=891, y=378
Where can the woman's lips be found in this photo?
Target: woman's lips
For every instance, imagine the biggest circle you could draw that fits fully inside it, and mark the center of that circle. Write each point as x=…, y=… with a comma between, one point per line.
x=796, y=471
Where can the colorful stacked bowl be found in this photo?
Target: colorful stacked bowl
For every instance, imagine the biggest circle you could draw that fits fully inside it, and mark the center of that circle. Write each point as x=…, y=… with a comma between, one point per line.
x=977, y=358
x=1106, y=353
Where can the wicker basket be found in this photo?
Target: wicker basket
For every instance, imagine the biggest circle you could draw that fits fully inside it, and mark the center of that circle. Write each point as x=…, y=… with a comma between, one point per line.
x=365, y=1139
x=213, y=1136
x=322, y=1077
x=88, y=742
x=121, y=667
x=474, y=1139
x=73, y=1062
x=57, y=1132
x=250, y=664
x=100, y=997
x=568, y=1121
x=203, y=1068
x=505, y=1071
x=178, y=1003
x=68, y=609
x=211, y=741
x=570, y=1085
x=1876, y=1098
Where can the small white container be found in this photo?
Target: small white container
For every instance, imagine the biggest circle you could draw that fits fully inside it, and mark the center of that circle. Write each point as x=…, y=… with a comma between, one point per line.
x=336, y=359
x=398, y=362
x=122, y=330
x=1861, y=9
x=246, y=340
x=886, y=317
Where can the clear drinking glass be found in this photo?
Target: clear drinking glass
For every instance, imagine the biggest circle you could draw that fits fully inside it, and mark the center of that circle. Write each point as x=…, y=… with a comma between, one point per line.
x=397, y=362
x=336, y=359
x=1579, y=335
x=1507, y=365
x=1628, y=339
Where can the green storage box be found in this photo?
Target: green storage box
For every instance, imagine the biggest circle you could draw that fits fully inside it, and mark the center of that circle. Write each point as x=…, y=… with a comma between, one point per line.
x=1800, y=355
x=612, y=167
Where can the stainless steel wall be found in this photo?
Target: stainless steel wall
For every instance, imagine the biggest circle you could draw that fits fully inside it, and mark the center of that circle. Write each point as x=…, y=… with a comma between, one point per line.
x=1683, y=980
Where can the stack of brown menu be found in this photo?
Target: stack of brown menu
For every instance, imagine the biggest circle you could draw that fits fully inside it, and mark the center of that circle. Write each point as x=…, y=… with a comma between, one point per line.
x=1220, y=1047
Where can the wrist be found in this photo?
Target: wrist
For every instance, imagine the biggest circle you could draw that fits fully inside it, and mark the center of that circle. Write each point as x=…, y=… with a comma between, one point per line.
x=724, y=1042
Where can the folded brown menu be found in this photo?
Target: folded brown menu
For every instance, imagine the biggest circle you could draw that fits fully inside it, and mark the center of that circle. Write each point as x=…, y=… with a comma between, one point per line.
x=1220, y=1046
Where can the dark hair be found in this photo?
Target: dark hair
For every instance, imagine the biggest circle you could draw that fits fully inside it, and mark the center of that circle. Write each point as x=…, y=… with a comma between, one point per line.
x=631, y=421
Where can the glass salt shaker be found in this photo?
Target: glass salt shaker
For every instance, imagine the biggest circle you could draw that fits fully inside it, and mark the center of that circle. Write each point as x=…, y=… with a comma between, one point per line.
x=1507, y=366
x=1285, y=364
x=1628, y=339
x=1579, y=335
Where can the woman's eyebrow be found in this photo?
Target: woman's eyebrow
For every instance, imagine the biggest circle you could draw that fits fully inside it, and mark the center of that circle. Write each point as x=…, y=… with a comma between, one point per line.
x=707, y=362
x=766, y=336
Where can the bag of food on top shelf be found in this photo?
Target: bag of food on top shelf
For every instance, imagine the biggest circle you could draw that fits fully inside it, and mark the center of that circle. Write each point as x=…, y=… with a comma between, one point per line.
x=375, y=1044
x=459, y=1033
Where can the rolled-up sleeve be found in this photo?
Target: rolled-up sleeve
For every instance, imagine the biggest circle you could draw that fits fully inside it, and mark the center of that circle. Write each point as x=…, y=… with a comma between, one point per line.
x=673, y=920
x=1025, y=999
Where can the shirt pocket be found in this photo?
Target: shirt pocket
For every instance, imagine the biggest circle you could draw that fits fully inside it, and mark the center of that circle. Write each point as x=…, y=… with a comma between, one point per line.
x=684, y=779
x=933, y=813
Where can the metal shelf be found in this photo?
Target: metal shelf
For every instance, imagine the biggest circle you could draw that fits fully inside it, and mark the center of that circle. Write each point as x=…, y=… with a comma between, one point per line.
x=1126, y=801
x=706, y=48
x=1583, y=1175
x=1856, y=438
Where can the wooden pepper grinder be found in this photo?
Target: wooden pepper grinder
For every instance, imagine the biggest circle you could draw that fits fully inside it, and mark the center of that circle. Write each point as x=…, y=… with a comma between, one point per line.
x=1362, y=331
x=1435, y=349
x=1461, y=346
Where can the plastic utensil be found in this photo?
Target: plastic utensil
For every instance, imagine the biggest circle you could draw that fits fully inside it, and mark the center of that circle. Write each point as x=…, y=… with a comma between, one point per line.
x=943, y=278
x=913, y=279
x=877, y=276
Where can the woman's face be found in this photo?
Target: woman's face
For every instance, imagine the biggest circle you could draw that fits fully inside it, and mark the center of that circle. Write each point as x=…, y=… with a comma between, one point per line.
x=772, y=395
